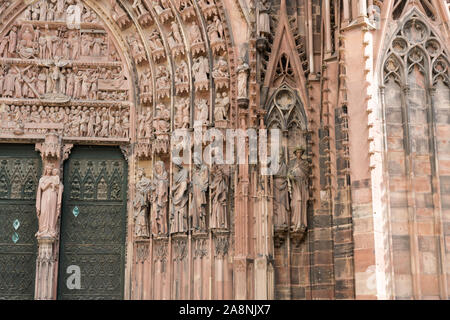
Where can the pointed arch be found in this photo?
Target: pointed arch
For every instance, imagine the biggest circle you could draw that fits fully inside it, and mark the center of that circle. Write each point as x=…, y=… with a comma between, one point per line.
x=286, y=109
x=285, y=66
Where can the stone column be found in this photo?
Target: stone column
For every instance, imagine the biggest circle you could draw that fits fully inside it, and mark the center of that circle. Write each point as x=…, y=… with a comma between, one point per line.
x=327, y=28
x=362, y=8
x=53, y=154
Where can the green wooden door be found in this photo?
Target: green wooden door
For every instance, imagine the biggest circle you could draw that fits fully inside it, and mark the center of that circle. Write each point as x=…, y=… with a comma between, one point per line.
x=93, y=224
x=20, y=170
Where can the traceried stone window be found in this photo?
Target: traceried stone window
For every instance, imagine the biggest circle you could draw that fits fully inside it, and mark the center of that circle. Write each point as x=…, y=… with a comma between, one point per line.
x=416, y=67
x=416, y=109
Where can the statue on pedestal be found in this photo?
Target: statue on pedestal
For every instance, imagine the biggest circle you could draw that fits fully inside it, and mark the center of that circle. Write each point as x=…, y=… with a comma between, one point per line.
x=48, y=202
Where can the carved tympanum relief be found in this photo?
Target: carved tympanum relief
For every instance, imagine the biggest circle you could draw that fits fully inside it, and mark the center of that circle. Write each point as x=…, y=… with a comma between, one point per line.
x=50, y=72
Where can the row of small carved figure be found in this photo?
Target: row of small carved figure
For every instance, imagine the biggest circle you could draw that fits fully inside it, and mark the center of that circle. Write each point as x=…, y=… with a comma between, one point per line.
x=78, y=121
x=33, y=42
x=35, y=82
x=163, y=8
x=45, y=10
x=152, y=201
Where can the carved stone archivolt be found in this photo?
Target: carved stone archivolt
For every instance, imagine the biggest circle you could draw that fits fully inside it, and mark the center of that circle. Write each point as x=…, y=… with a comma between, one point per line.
x=160, y=200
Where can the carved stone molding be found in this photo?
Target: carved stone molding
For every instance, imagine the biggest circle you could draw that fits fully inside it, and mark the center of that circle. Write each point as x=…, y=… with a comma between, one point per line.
x=67, y=148
x=142, y=250
x=222, y=244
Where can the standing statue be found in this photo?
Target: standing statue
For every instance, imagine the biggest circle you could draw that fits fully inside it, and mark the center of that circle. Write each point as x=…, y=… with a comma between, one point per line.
x=160, y=199
x=202, y=112
x=141, y=205
x=264, y=19
x=182, y=73
x=298, y=189
x=180, y=197
x=12, y=40
x=242, y=72
x=281, y=196
x=48, y=202
x=219, y=193
x=200, y=69
x=221, y=108
x=199, y=201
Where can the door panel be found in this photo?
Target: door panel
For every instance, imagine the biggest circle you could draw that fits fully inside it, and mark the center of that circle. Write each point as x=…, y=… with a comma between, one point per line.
x=20, y=170
x=93, y=223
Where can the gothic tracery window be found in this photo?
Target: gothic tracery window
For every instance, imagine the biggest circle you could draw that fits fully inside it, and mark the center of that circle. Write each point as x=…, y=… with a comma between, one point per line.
x=416, y=107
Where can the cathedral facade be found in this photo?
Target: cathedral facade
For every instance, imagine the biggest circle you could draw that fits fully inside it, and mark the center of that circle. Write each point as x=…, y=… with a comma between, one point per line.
x=224, y=149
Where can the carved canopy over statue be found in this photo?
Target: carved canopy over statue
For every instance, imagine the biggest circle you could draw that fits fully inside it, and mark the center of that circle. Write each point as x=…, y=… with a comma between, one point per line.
x=48, y=202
